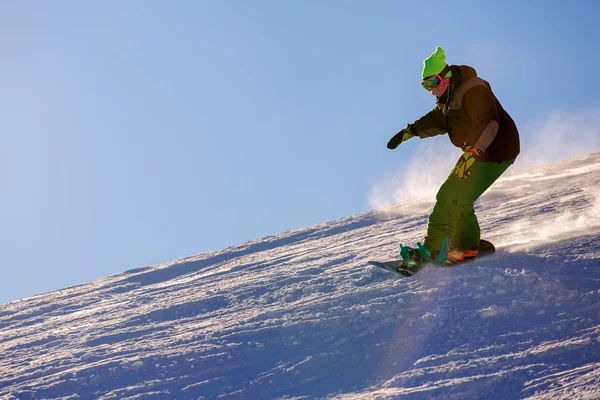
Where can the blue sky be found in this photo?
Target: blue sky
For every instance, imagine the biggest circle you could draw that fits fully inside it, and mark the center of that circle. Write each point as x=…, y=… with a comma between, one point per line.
x=135, y=133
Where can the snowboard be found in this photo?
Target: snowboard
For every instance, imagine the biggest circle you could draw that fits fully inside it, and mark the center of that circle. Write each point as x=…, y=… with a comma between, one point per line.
x=486, y=248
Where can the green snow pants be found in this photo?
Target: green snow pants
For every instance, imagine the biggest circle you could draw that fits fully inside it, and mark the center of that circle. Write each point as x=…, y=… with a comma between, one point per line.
x=453, y=214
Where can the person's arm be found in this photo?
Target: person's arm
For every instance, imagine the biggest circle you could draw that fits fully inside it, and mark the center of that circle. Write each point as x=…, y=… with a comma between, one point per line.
x=480, y=105
x=431, y=124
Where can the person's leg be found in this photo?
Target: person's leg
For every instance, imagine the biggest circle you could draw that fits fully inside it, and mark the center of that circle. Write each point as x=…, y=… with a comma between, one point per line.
x=467, y=232
x=453, y=214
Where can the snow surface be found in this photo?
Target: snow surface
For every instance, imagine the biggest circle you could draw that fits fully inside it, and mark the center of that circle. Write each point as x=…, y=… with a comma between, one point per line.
x=302, y=315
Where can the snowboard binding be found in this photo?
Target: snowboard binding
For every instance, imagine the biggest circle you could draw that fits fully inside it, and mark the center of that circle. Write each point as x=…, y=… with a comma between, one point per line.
x=422, y=254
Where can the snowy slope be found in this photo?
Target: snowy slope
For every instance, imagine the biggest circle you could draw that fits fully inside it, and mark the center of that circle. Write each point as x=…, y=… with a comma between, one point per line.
x=301, y=315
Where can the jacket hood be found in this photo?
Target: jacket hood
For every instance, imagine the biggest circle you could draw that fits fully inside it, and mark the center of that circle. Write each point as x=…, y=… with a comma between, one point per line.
x=462, y=73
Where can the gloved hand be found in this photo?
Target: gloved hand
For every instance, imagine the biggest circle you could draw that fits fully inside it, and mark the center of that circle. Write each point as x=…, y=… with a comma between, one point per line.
x=401, y=136
x=463, y=167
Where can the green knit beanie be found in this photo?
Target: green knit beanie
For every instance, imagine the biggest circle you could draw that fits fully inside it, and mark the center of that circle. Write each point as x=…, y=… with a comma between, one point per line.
x=435, y=64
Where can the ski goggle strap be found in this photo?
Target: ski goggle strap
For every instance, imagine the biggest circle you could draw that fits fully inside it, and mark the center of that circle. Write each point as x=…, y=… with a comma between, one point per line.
x=434, y=81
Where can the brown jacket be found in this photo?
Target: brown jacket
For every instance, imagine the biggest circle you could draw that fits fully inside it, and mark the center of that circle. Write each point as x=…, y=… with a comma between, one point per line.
x=472, y=115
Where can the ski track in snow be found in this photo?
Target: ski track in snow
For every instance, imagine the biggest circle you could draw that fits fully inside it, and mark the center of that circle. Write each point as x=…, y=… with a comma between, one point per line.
x=301, y=315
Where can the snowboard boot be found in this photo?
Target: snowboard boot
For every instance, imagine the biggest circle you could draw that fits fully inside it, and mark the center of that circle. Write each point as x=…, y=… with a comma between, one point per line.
x=456, y=256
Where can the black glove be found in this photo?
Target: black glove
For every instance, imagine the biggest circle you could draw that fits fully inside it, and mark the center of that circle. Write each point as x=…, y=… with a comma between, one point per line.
x=401, y=136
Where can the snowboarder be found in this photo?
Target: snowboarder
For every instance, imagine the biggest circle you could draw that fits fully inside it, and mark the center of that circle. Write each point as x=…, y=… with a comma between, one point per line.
x=466, y=109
